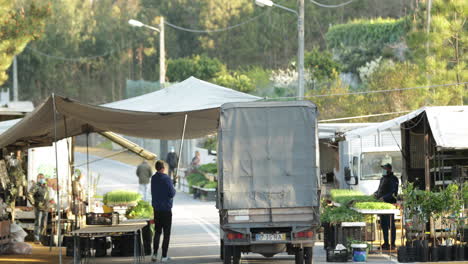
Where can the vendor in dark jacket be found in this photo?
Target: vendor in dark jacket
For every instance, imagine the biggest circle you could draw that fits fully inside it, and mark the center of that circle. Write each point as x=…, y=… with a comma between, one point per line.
x=387, y=192
x=162, y=192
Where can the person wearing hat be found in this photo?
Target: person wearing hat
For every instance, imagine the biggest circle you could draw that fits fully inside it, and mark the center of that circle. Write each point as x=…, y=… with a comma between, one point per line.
x=387, y=192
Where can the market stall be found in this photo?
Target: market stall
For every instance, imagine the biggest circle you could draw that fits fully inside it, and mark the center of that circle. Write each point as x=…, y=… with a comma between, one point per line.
x=189, y=109
x=434, y=147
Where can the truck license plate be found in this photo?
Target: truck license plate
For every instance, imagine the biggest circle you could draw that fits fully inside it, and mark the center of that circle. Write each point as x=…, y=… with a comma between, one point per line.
x=270, y=237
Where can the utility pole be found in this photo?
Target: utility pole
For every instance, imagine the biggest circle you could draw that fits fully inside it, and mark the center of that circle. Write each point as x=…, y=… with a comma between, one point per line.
x=428, y=27
x=300, y=55
x=162, y=54
x=163, y=144
x=15, y=80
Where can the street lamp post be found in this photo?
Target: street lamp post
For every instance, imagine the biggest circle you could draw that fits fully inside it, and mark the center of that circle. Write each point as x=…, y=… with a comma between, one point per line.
x=300, y=38
x=162, y=67
x=162, y=56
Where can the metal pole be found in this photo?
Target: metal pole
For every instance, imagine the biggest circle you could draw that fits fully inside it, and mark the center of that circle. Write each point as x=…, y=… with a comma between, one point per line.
x=15, y=80
x=300, y=52
x=180, y=150
x=59, y=227
x=87, y=172
x=162, y=54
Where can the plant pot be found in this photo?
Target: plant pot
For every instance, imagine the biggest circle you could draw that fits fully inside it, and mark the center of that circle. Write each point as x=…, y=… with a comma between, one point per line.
x=460, y=252
x=434, y=251
x=466, y=252
x=453, y=253
x=422, y=251
x=411, y=253
x=445, y=253
x=402, y=255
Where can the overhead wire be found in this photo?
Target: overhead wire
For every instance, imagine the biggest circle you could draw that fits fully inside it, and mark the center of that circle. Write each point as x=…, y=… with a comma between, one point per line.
x=331, y=6
x=375, y=91
x=191, y=30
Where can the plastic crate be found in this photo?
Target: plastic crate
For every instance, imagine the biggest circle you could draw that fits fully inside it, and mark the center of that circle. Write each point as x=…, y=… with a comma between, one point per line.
x=102, y=218
x=334, y=255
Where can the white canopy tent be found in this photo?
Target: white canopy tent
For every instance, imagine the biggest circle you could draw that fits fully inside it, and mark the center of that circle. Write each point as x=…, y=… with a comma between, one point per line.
x=187, y=96
x=449, y=125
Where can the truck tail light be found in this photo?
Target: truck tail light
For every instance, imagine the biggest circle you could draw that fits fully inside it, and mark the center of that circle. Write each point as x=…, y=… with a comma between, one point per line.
x=233, y=236
x=304, y=234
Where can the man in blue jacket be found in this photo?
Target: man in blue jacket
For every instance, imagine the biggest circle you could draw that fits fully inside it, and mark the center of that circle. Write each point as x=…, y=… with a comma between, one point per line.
x=162, y=192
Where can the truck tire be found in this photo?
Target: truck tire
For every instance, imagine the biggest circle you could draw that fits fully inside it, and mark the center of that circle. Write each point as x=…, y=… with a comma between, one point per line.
x=299, y=256
x=221, y=250
x=308, y=255
x=236, y=256
x=227, y=256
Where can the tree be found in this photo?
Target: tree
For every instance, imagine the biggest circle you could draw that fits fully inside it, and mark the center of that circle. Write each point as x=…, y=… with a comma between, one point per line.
x=20, y=24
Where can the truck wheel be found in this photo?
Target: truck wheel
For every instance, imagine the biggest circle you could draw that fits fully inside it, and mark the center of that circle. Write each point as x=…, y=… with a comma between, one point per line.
x=221, y=250
x=308, y=255
x=227, y=256
x=299, y=257
x=236, y=255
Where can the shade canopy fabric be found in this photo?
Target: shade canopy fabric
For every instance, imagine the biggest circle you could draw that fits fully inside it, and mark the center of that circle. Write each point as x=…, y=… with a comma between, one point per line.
x=140, y=119
x=187, y=96
x=449, y=125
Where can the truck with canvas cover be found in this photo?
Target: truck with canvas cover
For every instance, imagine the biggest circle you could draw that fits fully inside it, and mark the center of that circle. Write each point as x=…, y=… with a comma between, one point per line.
x=268, y=189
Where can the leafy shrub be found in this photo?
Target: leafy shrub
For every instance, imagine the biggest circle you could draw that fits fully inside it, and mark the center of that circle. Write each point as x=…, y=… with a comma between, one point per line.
x=373, y=205
x=340, y=214
x=362, y=33
x=236, y=81
x=121, y=197
x=201, y=67
x=320, y=64
x=211, y=185
x=211, y=143
x=196, y=179
x=209, y=168
x=141, y=211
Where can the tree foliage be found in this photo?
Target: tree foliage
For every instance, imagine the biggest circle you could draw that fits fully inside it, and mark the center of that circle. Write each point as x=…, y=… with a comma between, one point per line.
x=20, y=24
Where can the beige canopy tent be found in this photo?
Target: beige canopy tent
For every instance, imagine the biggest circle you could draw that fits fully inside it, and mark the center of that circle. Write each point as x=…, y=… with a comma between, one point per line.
x=74, y=118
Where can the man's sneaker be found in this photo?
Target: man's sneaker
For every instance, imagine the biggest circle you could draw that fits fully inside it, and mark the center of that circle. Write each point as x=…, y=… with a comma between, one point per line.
x=154, y=258
x=166, y=259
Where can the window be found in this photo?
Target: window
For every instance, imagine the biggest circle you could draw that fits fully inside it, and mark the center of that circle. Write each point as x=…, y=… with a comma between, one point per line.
x=371, y=162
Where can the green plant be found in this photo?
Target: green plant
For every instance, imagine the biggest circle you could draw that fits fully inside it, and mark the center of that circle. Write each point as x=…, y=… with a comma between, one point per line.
x=121, y=198
x=211, y=143
x=236, y=81
x=340, y=214
x=196, y=179
x=321, y=64
x=211, y=185
x=142, y=210
x=208, y=168
x=201, y=67
x=373, y=205
x=348, y=197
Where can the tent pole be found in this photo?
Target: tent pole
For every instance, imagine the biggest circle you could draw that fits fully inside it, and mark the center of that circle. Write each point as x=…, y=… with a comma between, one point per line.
x=59, y=226
x=180, y=150
x=87, y=172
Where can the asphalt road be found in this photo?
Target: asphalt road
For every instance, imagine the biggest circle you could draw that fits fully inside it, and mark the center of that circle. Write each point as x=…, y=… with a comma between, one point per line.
x=112, y=174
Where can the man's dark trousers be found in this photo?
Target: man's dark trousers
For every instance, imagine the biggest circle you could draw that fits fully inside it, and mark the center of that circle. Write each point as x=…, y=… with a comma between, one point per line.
x=385, y=221
x=162, y=225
